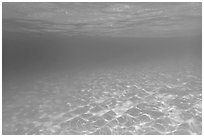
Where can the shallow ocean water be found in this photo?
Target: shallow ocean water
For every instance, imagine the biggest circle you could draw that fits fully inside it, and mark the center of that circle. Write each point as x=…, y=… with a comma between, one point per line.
x=102, y=68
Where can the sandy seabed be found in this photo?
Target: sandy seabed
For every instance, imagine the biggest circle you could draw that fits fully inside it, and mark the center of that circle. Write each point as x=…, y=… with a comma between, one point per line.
x=118, y=99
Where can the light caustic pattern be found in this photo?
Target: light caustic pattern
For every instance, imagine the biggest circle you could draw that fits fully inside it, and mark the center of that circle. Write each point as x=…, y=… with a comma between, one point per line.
x=111, y=102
